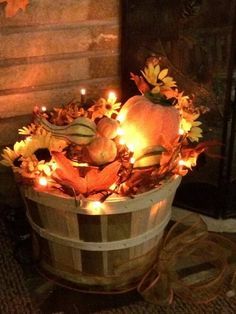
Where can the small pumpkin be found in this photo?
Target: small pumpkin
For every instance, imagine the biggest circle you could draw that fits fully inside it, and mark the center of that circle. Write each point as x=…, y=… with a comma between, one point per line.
x=102, y=150
x=107, y=127
x=146, y=124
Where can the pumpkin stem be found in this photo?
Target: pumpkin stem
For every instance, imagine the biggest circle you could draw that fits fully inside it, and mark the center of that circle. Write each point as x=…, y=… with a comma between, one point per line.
x=159, y=99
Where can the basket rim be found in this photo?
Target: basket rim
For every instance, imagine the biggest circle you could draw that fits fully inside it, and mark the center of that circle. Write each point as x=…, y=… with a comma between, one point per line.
x=112, y=205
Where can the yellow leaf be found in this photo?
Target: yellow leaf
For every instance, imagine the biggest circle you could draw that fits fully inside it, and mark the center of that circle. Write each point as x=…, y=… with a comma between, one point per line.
x=163, y=74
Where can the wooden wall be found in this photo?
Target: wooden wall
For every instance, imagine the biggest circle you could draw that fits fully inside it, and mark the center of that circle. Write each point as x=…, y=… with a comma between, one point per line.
x=52, y=50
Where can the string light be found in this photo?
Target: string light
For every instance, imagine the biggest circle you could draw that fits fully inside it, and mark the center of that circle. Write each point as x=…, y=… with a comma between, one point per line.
x=28, y=139
x=111, y=98
x=131, y=147
x=120, y=118
x=82, y=94
x=83, y=91
x=181, y=162
x=43, y=181
x=43, y=108
x=120, y=131
x=132, y=160
x=95, y=206
x=122, y=141
x=181, y=132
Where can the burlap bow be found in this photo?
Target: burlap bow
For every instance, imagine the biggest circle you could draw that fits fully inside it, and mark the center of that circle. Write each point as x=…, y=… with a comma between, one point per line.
x=187, y=248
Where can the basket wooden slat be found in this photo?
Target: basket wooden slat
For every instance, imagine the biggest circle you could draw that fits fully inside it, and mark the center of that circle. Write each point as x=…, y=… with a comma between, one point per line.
x=109, y=249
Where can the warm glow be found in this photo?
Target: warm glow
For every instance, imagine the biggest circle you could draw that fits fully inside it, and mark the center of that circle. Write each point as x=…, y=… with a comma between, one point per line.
x=120, y=132
x=95, y=206
x=134, y=139
x=83, y=91
x=122, y=141
x=181, y=132
x=131, y=147
x=43, y=108
x=132, y=160
x=181, y=162
x=111, y=98
x=43, y=181
x=120, y=117
x=28, y=139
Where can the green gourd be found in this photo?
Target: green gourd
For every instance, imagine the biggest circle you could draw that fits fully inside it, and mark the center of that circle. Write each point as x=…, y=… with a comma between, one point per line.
x=81, y=131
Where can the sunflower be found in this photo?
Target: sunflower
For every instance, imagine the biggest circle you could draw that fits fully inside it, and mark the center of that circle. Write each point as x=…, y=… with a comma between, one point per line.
x=12, y=157
x=40, y=145
x=111, y=107
x=158, y=78
x=36, y=155
x=104, y=107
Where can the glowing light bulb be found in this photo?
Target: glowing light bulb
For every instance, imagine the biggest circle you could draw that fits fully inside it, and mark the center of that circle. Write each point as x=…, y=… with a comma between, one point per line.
x=122, y=141
x=28, y=139
x=120, y=132
x=120, y=118
x=111, y=98
x=181, y=162
x=131, y=147
x=43, y=181
x=181, y=132
x=43, y=108
x=83, y=91
x=96, y=206
x=82, y=95
x=132, y=160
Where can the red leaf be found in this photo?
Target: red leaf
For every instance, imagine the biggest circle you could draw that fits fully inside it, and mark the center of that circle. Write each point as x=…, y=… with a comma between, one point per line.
x=102, y=180
x=66, y=174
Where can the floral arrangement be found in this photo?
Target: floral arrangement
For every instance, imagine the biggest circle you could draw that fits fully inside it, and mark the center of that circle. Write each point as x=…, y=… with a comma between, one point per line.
x=108, y=148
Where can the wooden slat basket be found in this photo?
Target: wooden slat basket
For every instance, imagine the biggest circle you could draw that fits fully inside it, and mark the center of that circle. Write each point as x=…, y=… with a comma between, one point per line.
x=107, y=249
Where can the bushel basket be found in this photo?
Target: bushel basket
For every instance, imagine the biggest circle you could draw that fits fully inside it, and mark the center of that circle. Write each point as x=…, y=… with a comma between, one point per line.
x=107, y=249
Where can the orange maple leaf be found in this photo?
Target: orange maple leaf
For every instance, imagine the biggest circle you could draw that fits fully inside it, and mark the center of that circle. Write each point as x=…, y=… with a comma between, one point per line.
x=102, y=180
x=13, y=6
x=67, y=175
x=95, y=180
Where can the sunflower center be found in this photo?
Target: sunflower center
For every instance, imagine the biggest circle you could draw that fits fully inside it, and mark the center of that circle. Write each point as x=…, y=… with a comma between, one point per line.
x=43, y=154
x=17, y=162
x=108, y=106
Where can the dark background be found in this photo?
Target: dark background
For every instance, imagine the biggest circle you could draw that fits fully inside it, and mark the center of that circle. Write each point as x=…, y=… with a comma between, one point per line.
x=195, y=39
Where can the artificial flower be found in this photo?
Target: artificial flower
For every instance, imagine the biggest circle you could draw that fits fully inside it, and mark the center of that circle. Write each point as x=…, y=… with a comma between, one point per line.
x=11, y=157
x=104, y=107
x=41, y=145
x=158, y=78
x=195, y=133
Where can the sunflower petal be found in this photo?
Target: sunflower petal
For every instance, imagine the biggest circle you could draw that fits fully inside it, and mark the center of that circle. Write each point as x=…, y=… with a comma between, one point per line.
x=163, y=74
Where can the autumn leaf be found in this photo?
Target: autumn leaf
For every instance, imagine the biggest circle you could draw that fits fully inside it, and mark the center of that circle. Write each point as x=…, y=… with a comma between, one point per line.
x=142, y=86
x=102, y=180
x=67, y=175
x=13, y=6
